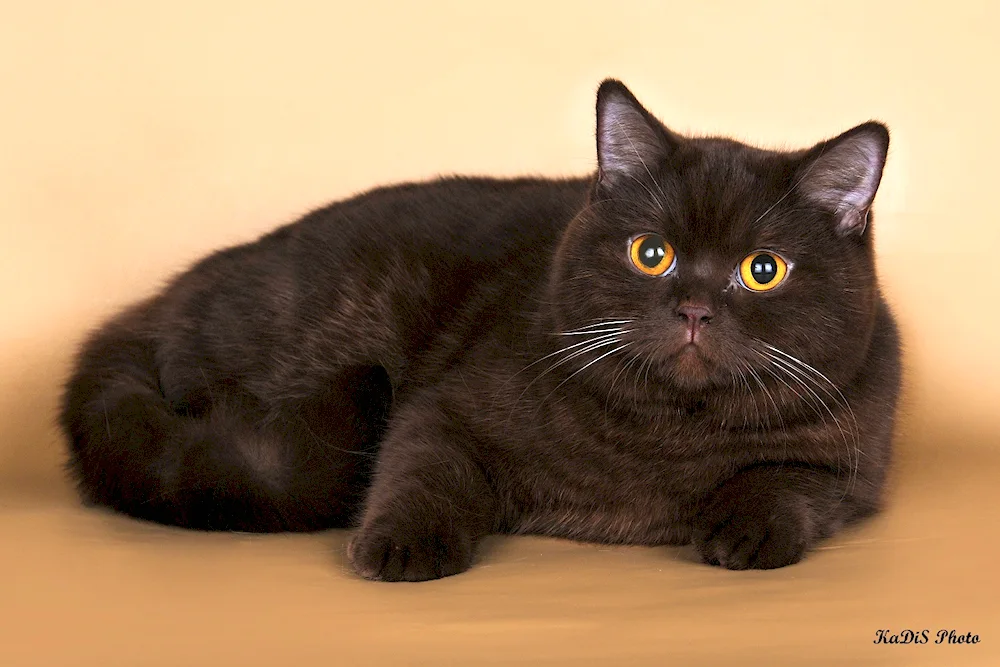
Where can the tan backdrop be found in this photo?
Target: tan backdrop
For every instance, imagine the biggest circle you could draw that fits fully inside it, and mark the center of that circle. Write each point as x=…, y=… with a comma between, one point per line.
x=134, y=137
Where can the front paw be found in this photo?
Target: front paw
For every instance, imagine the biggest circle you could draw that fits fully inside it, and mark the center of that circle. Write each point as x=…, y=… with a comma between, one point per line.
x=742, y=527
x=396, y=550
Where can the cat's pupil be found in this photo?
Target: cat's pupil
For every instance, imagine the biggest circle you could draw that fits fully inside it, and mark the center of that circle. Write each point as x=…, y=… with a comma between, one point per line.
x=764, y=268
x=651, y=251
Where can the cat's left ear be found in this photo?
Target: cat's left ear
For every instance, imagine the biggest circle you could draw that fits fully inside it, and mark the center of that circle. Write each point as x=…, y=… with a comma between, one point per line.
x=842, y=175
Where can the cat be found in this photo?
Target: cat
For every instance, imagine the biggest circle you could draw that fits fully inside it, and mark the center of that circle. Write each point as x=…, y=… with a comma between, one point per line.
x=689, y=346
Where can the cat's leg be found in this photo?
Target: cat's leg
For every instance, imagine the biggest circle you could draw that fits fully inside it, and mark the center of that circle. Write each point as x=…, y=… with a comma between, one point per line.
x=430, y=503
x=769, y=516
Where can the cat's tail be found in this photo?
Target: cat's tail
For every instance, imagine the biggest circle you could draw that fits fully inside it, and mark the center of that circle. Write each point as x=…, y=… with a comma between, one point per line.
x=225, y=467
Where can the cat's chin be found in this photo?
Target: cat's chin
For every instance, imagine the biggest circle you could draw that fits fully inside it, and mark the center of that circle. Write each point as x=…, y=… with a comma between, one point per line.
x=690, y=369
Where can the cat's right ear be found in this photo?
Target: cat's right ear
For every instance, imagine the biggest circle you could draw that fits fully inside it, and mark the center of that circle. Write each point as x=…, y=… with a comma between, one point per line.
x=631, y=143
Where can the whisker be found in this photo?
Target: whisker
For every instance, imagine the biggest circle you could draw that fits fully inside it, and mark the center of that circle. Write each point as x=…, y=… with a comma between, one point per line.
x=611, y=390
x=811, y=398
x=828, y=381
x=840, y=399
x=740, y=371
x=601, y=323
x=562, y=350
x=794, y=369
x=770, y=397
x=583, y=368
x=570, y=347
x=587, y=333
x=589, y=346
x=591, y=363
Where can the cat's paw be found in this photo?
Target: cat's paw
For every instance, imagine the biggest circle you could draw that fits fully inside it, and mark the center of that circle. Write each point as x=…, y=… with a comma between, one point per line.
x=742, y=527
x=394, y=551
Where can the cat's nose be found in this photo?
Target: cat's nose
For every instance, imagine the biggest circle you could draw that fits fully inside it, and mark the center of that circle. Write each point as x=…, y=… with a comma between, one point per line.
x=696, y=315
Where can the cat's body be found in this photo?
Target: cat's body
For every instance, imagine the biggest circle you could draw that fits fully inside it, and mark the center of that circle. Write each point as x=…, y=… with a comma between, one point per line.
x=436, y=362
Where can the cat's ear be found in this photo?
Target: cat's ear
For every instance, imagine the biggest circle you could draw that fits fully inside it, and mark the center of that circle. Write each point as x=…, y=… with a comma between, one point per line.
x=631, y=143
x=842, y=175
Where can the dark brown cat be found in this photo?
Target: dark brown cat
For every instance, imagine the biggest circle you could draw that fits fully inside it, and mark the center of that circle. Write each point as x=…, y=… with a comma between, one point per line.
x=689, y=346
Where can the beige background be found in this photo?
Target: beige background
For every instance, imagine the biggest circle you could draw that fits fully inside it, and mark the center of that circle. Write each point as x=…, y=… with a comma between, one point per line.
x=134, y=137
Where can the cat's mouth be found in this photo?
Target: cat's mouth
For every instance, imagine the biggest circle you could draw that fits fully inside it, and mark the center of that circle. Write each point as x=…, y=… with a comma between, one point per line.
x=691, y=353
x=691, y=365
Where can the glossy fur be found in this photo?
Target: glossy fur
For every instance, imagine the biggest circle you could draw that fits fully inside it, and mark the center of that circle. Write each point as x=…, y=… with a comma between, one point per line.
x=433, y=363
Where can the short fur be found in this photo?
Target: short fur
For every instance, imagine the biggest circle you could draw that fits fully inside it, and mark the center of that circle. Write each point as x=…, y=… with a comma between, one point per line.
x=433, y=363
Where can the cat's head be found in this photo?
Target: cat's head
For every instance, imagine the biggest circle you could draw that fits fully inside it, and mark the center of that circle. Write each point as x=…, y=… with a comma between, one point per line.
x=705, y=263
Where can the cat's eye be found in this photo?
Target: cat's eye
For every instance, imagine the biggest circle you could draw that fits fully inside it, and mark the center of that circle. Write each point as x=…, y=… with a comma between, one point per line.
x=762, y=270
x=651, y=255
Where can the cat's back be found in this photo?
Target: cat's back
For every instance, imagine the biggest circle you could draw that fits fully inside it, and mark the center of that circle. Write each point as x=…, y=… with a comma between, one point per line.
x=457, y=231
x=444, y=252
x=389, y=271
x=472, y=218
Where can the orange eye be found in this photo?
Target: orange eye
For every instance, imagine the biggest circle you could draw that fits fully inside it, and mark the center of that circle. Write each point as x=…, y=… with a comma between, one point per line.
x=652, y=255
x=762, y=271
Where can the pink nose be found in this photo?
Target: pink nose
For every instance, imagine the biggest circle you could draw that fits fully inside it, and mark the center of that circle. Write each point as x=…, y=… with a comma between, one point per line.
x=696, y=316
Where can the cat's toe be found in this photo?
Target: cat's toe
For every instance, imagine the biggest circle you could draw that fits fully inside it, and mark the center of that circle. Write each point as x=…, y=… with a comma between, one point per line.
x=384, y=554
x=779, y=549
x=760, y=546
x=744, y=537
